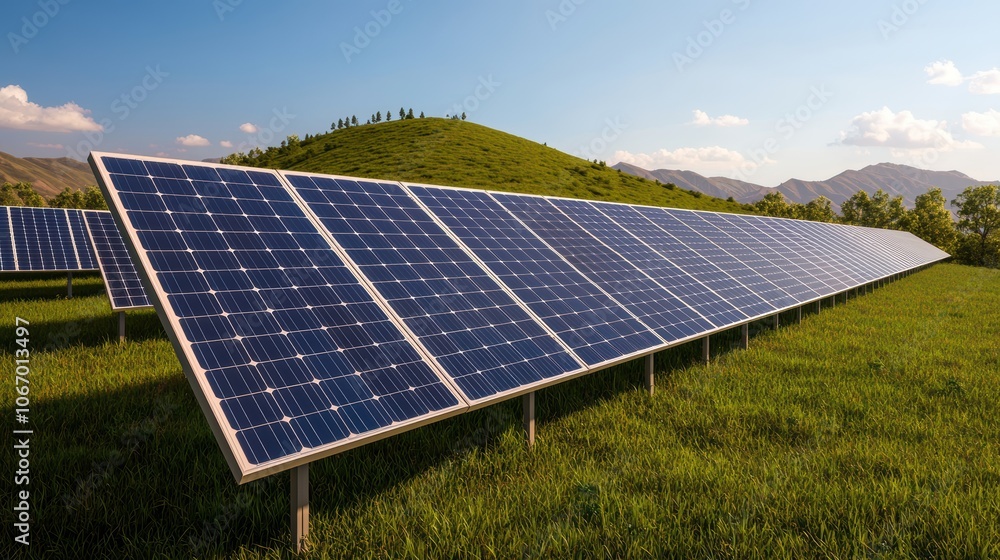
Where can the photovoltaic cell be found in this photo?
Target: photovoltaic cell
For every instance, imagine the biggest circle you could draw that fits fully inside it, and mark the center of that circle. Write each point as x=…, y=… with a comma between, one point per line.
x=480, y=335
x=596, y=327
x=642, y=296
x=785, y=243
x=695, y=265
x=82, y=248
x=675, y=281
x=292, y=356
x=120, y=277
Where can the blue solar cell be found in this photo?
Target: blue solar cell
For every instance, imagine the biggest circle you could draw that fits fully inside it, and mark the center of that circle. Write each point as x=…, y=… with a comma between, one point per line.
x=595, y=326
x=843, y=256
x=784, y=241
x=294, y=356
x=677, y=282
x=642, y=296
x=7, y=260
x=707, y=248
x=480, y=335
x=120, y=277
x=84, y=250
x=695, y=265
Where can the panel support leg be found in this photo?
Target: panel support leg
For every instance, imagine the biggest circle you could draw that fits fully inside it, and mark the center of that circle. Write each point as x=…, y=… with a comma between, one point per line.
x=649, y=374
x=121, y=326
x=69, y=285
x=300, y=506
x=819, y=306
x=798, y=315
x=528, y=406
x=706, y=351
x=745, y=336
x=777, y=321
x=834, y=300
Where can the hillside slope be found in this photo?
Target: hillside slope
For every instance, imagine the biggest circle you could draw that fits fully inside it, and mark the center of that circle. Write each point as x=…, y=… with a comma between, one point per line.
x=464, y=154
x=48, y=176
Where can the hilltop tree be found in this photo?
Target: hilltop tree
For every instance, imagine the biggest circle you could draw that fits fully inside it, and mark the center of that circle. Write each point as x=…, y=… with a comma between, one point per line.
x=422, y=115
x=773, y=204
x=409, y=114
x=354, y=120
x=979, y=222
x=819, y=209
x=402, y=113
x=463, y=115
x=28, y=195
x=388, y=116
x=931, y=221
x=378, y=117
x=878, y=211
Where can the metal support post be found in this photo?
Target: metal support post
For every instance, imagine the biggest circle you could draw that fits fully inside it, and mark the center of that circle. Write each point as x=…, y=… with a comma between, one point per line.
x=121, y=326
x=745, y=335
x=649, y=374
x=69, y=285
x=300, y=506
x=528, y=406
x=706, y=351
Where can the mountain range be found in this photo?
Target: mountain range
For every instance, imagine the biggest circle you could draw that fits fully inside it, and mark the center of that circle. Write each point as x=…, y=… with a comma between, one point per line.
x=902, y=180
x=48, y=176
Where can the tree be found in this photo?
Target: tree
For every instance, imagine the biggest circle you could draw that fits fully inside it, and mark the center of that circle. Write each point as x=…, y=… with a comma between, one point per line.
x=855, y=209
x=28, y=195
x=422, y=114
x=388, y=116
x=8, y=196
x=878, y=211
x=340, y=124
x=463, y=115
x=402, y=113
x=773, y=204
x=409, y=114
x=378, y=117
x=820, y=209
x=979, y=220
x=931, y=221
x=67, y=198
x=354, y=120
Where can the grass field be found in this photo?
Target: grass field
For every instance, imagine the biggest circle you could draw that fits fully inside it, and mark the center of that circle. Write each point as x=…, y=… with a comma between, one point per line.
x=868, y=431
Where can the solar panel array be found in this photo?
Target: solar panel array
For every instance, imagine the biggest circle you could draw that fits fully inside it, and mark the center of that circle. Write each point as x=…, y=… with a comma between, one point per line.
x=120, y=278
x=314, y=313
x=44, y=240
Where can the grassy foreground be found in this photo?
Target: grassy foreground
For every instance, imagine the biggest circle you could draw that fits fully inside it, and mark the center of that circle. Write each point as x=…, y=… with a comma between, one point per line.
x=868, y=431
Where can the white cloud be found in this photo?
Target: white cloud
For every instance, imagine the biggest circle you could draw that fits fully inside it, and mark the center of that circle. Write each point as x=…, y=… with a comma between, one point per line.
x=47, y=146
x=701, y=118
x=982, y=124
x=248, y=128
x=986, y=82
x=226, y=144
x=713, y=158
x=193, y=140
x=161, y=154
x=18, y=113
x=900, y=130
x=944, y=73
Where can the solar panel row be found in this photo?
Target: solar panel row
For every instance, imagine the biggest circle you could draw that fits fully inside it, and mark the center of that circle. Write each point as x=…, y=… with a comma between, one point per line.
x=44, y=239
x=314, y=312
x=122, y=281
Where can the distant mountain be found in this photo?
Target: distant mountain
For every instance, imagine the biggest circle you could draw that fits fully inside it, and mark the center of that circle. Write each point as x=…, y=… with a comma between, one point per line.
x=894, y=179
x=48, y=176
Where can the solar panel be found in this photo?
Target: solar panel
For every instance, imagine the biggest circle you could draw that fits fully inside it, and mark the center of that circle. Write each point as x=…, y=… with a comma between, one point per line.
x=678, y=283
x=707, y=248
x=7, y=260
x=122, y=281
x=586, y=318
x=50, y=239
x=726, y=237
x=475, y=329
x=637, y=292
x=694, y=264
x=291, y=357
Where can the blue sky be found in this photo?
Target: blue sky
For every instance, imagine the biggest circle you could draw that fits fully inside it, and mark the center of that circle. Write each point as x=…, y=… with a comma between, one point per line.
x=758, y=90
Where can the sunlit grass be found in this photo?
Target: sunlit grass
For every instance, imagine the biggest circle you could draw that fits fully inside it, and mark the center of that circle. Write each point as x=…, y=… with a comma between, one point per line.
x=869, y=430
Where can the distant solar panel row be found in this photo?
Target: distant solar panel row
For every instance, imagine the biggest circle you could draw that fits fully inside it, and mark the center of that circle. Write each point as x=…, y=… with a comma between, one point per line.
x=122, y=281
x=316, y=312
x=44, y=239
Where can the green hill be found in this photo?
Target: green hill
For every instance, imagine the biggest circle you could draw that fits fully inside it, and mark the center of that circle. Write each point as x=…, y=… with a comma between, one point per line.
x=464, y=154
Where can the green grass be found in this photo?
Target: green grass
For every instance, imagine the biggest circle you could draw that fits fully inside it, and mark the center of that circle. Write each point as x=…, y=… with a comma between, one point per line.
x=464, y=154
x=868, y=431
